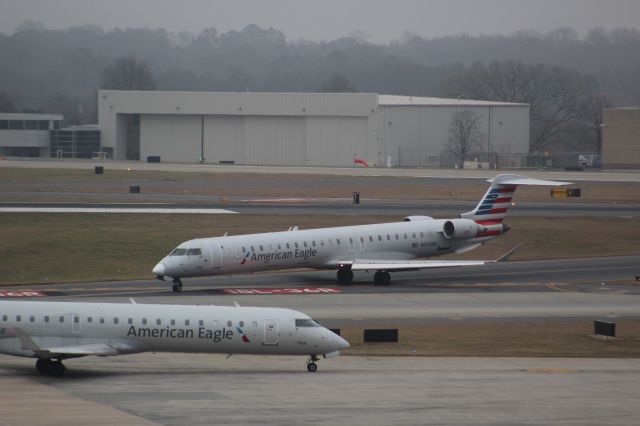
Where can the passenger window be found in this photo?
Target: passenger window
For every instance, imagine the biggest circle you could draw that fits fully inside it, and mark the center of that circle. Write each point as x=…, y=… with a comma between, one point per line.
x=397, y=237
x=144, y=321
x=130, y=320
x=101, y=320
x=173, y=322
x=287, y=245
x=304, y=243
x=370, y=238
x=32, y=318
x=313, y=243
x=158, y=321
x=350, y=240
x=115, y=320
x=244, y=250
x=405, y=236
x=279, y=247
x=388, y=237
x=252, y=248
x=241, y=323
x=296, y=244
x=89, y=319
x=255, y=323
x=187, y=322
x=76, y=319
x=4, y=318
x=414, y=235
x=422, y=235
x=18, y=318
x=200, y=323
x=338, y=241
x=379, y=237
x=261, y=249
x=61, y=319
x=46, y=318
x=229, y=323
x=322, y=243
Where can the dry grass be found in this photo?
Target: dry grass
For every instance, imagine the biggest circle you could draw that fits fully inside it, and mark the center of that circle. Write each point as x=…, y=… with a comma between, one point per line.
x=501, y=338
x=284, y=185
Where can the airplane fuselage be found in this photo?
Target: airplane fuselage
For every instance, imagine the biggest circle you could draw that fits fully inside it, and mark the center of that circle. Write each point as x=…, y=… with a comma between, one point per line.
x=327, y=248
x=59, y=330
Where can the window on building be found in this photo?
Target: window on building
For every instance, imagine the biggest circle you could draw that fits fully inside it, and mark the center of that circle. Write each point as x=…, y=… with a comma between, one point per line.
x=16, y=125
x=31, y=125
x=43, y=125
x=4, y=124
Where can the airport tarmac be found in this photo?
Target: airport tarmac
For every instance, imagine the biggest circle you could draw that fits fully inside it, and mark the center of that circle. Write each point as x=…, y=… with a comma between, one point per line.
x=178, y=389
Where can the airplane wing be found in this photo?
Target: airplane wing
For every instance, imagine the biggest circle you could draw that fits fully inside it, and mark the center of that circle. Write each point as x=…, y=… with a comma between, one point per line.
x=414, y=265
x=120, y=347
x=410, y=265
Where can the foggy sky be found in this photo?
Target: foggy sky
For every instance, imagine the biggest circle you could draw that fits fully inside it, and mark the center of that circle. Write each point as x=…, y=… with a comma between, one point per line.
x=382, y=20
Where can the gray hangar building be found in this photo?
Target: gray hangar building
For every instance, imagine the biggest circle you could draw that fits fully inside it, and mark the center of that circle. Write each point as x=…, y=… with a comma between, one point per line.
x=298, y=129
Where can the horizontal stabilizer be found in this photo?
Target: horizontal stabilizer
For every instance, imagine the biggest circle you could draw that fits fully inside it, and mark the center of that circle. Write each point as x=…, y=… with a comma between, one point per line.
x=522, y=180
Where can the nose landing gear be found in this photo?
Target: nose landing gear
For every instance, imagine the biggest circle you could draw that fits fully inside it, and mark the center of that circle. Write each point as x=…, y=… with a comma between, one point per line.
x=177, y=285
x=312, y=367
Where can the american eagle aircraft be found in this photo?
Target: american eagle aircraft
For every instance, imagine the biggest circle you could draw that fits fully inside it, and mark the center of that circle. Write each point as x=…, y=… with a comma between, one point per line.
x=383, y=247
x=54, y=331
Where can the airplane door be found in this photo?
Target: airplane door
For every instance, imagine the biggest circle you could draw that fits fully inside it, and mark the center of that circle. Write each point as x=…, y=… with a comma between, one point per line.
x=75, y=324
x=216, y=256
x=270, y=332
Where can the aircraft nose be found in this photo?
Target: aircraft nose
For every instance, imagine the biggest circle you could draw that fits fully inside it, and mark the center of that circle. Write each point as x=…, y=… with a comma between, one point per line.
x=339, y=342
x=159, y=269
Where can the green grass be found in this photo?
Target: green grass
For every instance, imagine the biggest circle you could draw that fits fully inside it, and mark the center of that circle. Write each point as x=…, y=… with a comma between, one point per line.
x=66, y=247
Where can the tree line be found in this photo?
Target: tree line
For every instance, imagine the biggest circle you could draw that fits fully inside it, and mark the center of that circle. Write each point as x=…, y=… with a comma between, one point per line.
x=566, y=78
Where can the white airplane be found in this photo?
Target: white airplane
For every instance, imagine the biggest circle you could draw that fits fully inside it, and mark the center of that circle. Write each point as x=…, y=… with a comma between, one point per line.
x=383, y=247
x=54, y=331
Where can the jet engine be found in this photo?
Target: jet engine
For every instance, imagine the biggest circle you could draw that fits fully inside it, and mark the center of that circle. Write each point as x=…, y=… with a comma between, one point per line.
x=461, y=228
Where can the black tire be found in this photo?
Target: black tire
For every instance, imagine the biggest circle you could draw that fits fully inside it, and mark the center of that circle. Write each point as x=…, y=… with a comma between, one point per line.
x=345, y=275
x=177, y=288
x=57, y=369
x=382, y=278
x=43, y=365
x=312, y=367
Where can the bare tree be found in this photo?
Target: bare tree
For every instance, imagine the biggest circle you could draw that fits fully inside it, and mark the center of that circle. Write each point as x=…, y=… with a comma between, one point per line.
x=590, y=111
x=127, y=73
x=464, y=134
x=337, y=83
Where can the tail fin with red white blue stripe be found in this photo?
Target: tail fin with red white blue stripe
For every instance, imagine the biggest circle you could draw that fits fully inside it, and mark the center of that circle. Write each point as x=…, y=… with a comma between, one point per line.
x=493, y=207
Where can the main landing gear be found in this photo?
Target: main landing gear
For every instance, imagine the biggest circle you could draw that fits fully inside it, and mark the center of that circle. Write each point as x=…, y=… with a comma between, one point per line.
x=382, y=278
x=50, y=366
x=345, y=276
x=177, y=285
x=312, y=367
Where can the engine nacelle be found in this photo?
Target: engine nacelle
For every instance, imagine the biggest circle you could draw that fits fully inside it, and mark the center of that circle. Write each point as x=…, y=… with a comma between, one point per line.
x=461, y=228
x=416, y=218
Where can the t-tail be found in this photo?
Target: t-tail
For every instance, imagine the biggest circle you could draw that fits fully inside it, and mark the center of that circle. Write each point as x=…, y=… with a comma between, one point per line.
x=493, y=207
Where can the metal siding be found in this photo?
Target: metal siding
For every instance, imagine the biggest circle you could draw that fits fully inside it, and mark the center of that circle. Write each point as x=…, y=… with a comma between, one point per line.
x=173, y=138
x=334, y=141
x=510, y=130
x=275, y=140
x=224, y=139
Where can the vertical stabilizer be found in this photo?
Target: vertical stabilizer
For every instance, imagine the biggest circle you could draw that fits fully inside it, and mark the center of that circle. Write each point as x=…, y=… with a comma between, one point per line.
x=493, y=207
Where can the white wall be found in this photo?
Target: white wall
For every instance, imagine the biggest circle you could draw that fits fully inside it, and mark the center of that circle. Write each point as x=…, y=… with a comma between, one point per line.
x=174, y=138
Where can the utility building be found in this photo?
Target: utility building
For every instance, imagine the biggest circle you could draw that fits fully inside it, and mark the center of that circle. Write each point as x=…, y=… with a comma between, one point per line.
x=297, y=129
x=26, y=135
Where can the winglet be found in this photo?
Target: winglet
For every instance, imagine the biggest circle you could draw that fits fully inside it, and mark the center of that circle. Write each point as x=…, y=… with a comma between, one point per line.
x=133, y=302
x=235, y=302
x=508, y=254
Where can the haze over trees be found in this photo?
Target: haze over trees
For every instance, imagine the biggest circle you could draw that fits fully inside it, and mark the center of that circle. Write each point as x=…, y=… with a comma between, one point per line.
x=566, y=78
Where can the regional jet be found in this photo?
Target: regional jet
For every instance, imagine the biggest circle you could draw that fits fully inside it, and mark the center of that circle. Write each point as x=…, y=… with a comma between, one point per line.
x=383, y=247
x=54, y=331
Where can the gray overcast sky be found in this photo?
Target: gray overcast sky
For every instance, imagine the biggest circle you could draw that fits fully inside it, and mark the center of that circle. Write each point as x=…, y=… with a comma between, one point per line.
x=383, y=20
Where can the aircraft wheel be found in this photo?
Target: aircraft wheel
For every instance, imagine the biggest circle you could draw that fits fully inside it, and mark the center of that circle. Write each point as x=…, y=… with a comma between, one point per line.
x=57, y=368
x=43, y=365
x=345, y=275
x=312, y=367
x=177, y=288
x=382, y=278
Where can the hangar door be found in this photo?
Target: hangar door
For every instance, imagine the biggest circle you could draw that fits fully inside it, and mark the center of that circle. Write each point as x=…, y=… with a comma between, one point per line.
x=334, y=141
x=224, y=139
x=275, y=140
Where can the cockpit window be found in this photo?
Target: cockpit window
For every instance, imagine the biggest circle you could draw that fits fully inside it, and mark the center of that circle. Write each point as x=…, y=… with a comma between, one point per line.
x=194, y=252
x=307, y=322
x=178, y=252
